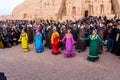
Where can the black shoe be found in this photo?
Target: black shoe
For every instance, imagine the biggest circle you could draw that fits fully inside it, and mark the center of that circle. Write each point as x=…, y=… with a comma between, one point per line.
x=100, y=52
x=83, y=50
x=107, y=50
x=3, y=78
x=119, y=58
x=2, y=74
x=31, y=42
x=79, y=51
x=62, y=48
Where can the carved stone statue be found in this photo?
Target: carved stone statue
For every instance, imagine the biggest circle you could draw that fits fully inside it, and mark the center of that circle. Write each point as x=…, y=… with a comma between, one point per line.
x=59, y=9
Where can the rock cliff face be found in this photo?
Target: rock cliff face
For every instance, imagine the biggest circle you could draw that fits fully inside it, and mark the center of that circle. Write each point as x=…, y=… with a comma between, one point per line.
x=64, y=9
x=116, y=7
x=33, y=9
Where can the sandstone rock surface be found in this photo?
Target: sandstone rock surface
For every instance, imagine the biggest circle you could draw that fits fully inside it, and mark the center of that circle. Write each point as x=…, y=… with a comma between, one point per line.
x=65, y=9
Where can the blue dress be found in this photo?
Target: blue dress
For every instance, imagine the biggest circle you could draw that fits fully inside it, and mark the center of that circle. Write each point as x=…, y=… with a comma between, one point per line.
x=38, y=43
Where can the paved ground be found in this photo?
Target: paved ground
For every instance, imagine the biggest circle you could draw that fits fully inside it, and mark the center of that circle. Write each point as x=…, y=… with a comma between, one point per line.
x=45, y=66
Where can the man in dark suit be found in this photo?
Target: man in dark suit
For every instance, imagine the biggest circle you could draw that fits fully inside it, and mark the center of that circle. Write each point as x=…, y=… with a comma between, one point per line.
x=2, y=76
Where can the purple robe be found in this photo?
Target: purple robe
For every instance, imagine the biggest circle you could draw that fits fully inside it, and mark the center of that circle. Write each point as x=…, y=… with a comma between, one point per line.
x=69, y=45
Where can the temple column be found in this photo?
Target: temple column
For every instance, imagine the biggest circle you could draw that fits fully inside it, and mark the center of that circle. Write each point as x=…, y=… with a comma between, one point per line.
x=98, y=10
x=105, y=10
x=78, y=11
x=101, y=10
x=69, y=10
x=94, y=8
x=78, y=4
x=90, y=9
x=109, y=8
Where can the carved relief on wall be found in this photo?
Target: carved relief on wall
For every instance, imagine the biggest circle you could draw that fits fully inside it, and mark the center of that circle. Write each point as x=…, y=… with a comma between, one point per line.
x=62, y=8
x=73, y=7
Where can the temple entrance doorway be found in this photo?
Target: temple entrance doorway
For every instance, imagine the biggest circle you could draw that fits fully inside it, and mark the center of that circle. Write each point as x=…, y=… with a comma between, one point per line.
x=86, y=13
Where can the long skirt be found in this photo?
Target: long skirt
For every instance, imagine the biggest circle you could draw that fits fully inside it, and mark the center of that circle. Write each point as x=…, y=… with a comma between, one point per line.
x=26, y=49
x=80, y=45
x=1, y=44
x=117, y=49
x=25, y=46
x=92, y=58
x=39, y=47
x=69, y=50
x=100, y=48
x=39, y=50
x=55, y=49
x=93, y=51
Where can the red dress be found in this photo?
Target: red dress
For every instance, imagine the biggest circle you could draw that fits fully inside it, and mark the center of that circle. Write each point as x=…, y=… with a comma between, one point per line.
x=55, y=40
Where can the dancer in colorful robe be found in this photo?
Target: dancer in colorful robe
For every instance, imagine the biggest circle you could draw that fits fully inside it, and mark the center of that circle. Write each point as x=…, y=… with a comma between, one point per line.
x=1, y=44
x=1, y=39
x=69, y=42
x=94, y=46
x=24, y=41
x=38, y=42
x=54, y=41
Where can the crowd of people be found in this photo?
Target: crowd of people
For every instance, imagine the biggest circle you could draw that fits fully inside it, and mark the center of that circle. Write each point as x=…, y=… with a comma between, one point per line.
x=94, y=32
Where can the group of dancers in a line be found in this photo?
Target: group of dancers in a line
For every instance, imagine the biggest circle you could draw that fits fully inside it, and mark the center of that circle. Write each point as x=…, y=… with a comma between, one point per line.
x=68, y=40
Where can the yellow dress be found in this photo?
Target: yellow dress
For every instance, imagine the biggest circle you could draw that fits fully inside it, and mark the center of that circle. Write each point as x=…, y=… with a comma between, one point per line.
x=1, y=44
x=24, y=41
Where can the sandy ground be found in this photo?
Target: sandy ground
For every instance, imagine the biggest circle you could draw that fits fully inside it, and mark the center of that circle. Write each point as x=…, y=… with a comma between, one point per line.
x=44, y=66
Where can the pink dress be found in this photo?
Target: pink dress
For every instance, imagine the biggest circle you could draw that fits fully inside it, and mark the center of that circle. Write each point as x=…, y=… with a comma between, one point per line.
x=69, y=42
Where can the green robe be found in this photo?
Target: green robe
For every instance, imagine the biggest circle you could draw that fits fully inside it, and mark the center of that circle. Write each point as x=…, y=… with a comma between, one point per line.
x=93, y=50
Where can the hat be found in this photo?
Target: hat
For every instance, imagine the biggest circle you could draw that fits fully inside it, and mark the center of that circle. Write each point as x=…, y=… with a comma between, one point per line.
x=63, y=26
x=118, y=22
x=23, y=30
x=95, y=30
x=38, y=30
x=82, y=26
x=54, y=28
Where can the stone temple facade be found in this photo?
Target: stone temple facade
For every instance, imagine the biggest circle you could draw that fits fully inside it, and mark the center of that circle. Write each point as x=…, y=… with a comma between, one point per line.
x=65, y=9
